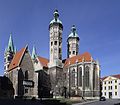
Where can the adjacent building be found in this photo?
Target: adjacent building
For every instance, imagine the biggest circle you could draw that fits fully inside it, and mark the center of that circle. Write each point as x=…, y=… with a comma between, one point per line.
x=36, y=76
x=111, y=86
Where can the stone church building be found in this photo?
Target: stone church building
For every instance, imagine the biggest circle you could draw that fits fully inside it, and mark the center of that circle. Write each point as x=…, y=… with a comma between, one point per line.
x=35, y=76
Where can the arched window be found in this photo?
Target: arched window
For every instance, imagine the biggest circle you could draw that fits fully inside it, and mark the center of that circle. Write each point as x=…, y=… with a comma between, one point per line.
x=87, y=76
x=26, y=75
x=73, y=78
x=80, y=76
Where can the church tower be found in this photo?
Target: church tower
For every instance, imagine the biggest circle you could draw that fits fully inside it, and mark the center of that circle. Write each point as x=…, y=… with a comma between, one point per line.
x=72, y=43
x=8, y=54
x=55, y=62
x=55, y=29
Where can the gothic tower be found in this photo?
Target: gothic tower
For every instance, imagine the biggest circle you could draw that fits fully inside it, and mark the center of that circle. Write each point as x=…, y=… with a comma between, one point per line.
x=72, y=43
x=8, y=54
x=55, y=62
x=55, y=29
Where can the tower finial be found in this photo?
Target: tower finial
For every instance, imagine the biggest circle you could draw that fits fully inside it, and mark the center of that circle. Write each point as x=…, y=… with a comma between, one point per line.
x=56, y=14
x=73, y=29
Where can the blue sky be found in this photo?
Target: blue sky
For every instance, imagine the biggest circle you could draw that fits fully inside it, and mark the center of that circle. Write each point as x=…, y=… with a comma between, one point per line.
x=97, y=23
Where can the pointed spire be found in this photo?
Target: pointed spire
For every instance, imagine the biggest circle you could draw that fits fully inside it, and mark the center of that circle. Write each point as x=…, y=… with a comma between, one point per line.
x=34, y=53
x=10, y=44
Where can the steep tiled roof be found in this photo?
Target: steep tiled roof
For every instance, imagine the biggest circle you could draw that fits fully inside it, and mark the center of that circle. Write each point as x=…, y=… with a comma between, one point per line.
x=43, y=61
x=116, y=76
x=86, y=56
x=17, y=59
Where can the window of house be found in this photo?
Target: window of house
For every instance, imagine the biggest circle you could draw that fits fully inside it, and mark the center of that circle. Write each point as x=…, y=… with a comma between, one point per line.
x=105, y=93
x=116, y=93
x=115, y=81
x=111, y=82
x=115, y=87
x=105, y=82
x=111, y=87
x=55, y=43
x=105, y=87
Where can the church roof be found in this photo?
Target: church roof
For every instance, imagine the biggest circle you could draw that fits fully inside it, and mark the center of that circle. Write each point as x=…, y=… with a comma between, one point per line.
x=116, y=76
x=86, y=57
x=43, y=61
x=17, y=58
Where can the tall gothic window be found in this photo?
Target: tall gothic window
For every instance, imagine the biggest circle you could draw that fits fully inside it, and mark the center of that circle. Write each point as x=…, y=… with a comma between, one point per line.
x=73, y=78
x=80, y=76
x=87, y=76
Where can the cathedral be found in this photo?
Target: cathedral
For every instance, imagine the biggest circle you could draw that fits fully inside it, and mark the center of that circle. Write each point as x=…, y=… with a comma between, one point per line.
x=35, y=76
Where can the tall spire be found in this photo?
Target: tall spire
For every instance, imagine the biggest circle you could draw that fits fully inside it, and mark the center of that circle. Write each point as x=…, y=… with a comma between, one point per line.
x=10, y=44
x=34, y=53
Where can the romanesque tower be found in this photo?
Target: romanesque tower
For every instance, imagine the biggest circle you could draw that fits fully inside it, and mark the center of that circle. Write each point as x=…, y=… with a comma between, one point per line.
x=8, y=54
x=55, y=61
x=73, y=43
x=55, y=29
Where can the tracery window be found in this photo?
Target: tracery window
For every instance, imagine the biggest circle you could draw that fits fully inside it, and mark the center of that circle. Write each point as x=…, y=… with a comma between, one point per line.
x=80, y=76
x=73, y=78
x=87, y=76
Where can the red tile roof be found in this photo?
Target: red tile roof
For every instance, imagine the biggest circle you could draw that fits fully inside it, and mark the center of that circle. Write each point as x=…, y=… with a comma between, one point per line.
x=17, y=59
x=116, y=76
x=43, y=61
x=86, y=56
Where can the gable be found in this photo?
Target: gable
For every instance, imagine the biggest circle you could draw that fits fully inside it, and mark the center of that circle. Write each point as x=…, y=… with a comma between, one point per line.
x=17, y=59
x=109, y=78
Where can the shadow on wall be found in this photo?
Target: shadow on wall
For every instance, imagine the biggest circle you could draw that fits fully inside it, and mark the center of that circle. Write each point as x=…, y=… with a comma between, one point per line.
x=6, y=88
